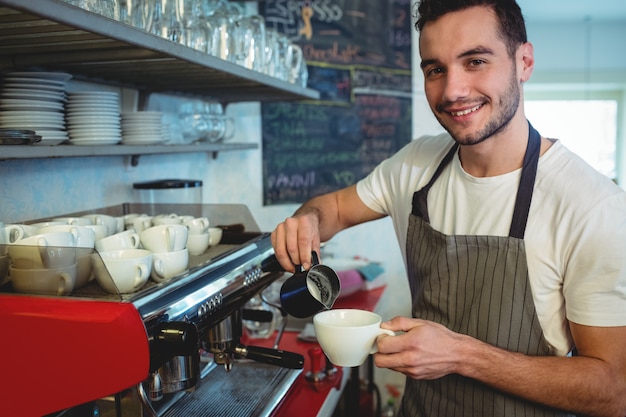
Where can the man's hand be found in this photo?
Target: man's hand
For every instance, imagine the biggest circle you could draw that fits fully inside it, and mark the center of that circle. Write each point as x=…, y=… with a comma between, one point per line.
x=425, y=351
x=295, y=238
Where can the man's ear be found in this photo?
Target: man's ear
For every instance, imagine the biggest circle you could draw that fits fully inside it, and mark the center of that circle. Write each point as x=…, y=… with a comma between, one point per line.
x=525, y=61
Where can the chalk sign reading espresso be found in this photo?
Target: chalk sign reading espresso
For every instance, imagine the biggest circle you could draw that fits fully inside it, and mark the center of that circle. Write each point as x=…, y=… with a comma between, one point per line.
x=357, y=53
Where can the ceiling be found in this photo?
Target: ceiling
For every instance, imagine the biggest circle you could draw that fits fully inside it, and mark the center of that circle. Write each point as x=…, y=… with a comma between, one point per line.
x=580, y=10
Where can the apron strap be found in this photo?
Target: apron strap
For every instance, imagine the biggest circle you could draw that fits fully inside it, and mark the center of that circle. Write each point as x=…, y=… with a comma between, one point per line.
x=420, y=201
x=524, y=191
x=526, y=185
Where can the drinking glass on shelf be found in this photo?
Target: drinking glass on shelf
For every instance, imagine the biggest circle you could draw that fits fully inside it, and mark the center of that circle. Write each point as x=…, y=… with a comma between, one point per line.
x=221, y=29
x=106, y=8
x=219, y=128
x=294, y=66
x=166, y=19
x=133, y=12
x=194, y=25
x=284, y=56
x=303, y=76
x=249, y=41
x=271, y=54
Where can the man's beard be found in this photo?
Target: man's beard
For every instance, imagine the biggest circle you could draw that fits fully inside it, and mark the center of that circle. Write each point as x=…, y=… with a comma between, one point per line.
x=509, y=103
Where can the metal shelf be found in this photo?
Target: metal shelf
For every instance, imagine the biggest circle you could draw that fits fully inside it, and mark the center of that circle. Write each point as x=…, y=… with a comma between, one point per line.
x=69, y=151
x=52, y=35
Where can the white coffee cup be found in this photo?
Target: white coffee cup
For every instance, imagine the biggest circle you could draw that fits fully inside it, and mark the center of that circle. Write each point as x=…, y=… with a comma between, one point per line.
x=197, y=225
x=166, y=265
x=39, y=225
x=109, y=221
x=197, y=243
x=84, y=267
x=11, y=233
x=4, y=240
x=130, y=217
x=140, y=223
x=47, y=281
x=4, y=269
x=165, y=238
x=128, y=239
x=187, y=217
x=170, y=218
x=121, y=226
x=85, y=237
x=27, y=229
x=100, y=231
x=122, y=271
x=348, y=336
x=74, y=221
x=45, y=250
x=216, y=235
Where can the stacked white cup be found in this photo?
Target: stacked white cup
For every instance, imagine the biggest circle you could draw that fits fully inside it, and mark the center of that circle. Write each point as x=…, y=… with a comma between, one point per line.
x=44, y=263
x=120, y=266
x=85, y=239
x=168, y=244
x=199, y=238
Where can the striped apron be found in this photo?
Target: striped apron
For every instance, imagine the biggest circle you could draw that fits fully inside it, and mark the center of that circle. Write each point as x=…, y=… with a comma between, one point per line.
x=478, y=286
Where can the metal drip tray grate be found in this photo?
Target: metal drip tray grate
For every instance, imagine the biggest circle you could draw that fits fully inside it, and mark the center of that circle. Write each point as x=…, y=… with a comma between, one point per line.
x=250, y=389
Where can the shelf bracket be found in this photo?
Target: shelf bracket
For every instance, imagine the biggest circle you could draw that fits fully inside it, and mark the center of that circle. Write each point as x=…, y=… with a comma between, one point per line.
x=134, y=160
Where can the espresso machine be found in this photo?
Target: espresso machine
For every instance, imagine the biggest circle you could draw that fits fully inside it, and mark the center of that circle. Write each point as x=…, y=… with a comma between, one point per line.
x=169, y=349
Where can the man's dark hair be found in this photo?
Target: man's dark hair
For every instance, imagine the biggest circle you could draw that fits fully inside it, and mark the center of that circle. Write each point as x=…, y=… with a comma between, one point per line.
x=512, y=26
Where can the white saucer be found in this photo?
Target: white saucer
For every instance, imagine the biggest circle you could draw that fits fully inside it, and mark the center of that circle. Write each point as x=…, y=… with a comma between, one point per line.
x=94, y=132
x=30, y=113
x=55, y=76
x=143, y=130
x=96, y=136
x=9, y=103
x=54, y=117
x=16, y=93
x=94, y=125
x=142, y=142
x=95, y=94
x=94, y=142
x=35, y=82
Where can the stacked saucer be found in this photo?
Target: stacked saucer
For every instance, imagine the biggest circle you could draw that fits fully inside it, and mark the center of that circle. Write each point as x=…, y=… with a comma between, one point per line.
x=35, y=101
x=93, y=118
x=142, y=128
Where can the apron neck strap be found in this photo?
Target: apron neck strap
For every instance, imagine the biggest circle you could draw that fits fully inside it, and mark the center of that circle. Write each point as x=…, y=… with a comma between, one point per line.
x=524, y=191
x=526, y=185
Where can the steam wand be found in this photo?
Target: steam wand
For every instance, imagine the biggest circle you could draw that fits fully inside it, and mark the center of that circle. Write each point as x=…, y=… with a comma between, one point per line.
x=283, y=323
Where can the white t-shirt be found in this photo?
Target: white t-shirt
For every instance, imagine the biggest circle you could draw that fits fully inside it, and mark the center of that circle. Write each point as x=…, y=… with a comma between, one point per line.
x=575, y=237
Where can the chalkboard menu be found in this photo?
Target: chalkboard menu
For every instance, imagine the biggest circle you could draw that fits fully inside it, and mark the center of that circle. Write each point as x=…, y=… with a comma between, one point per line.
x=359, y=59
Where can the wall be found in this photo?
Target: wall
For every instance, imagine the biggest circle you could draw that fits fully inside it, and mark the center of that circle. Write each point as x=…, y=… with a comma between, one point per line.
x=40, y=188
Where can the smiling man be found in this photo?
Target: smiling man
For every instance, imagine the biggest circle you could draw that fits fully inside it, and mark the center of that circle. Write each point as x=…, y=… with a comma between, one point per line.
x=514, y=246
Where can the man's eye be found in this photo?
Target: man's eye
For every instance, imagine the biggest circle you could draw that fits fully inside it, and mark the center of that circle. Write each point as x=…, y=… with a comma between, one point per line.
x=476, y=62
x=434, y=71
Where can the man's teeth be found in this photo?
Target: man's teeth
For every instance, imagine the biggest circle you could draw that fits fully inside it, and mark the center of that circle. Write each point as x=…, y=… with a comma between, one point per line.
x=464, y=112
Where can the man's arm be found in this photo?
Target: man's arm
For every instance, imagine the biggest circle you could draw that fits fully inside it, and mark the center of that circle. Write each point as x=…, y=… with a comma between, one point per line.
x=317, y=221
x=592, y=383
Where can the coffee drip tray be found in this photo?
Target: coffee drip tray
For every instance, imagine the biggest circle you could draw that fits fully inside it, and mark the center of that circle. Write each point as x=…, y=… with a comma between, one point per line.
x=250, y=389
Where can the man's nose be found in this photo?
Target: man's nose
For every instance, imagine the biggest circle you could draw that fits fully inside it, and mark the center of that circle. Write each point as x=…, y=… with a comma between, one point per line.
x=456, y=85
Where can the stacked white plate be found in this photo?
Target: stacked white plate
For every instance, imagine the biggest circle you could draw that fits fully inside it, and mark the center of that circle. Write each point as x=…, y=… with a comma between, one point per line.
x=93, y=118
x=142, y=128
x=35, y=101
